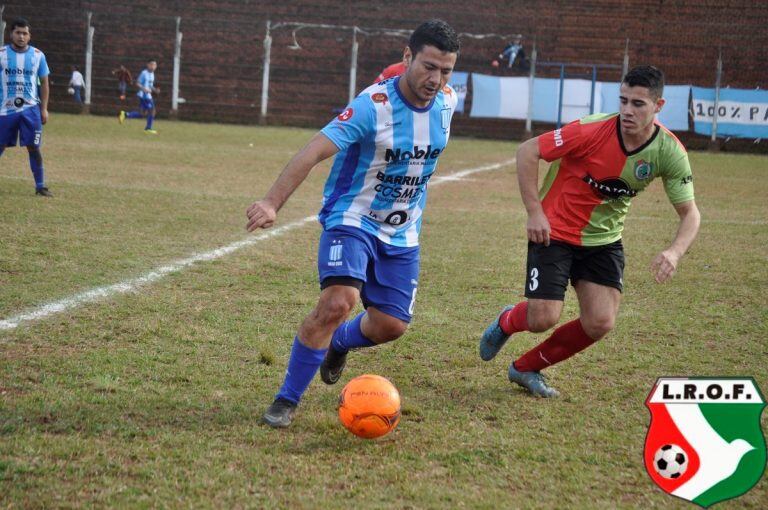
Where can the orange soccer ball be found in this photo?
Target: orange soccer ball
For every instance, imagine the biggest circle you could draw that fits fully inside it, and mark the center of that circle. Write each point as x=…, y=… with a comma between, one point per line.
x=369, y=406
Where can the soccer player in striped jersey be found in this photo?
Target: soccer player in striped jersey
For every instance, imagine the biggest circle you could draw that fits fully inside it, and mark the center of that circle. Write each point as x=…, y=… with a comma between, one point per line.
x=24, y=104
x=146, y=84
x=575, y=221
x=387, y=143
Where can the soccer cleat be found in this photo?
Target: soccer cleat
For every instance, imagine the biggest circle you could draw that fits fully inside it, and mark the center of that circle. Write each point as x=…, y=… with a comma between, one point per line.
x=493, y=338
x=150, y=132
x=280, y=413
x=43, y=192
x=332, y=366
x=533, y=382
x=121, y=117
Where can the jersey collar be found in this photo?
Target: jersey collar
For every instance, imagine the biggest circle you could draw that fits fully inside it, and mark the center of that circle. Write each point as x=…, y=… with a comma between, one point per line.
x=656, y=130
x=405, y=101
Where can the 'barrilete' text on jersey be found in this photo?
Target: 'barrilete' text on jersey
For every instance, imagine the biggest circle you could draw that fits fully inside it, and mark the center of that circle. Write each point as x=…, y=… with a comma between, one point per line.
x=388, y=153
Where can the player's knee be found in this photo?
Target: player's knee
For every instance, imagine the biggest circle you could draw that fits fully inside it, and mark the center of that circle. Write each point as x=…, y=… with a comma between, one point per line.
x=35, y=154
x=598, y=326
x=387, y=329
x=334, y=309
x=543, y=320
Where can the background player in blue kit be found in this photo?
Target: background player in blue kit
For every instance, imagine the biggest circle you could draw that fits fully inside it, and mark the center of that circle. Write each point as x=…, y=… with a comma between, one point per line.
x=146, y=84
x=388, y=141
x=24, y=105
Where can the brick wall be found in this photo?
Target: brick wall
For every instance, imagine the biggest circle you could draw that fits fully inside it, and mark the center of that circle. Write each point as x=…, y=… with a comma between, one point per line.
x=222, y=47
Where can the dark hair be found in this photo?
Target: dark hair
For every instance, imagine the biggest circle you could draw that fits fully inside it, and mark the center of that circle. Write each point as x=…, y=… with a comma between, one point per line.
x=437, y=33
x=19, y=22
x=646, y=76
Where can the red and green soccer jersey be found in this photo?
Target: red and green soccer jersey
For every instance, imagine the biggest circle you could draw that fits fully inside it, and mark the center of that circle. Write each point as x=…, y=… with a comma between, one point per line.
x=592, y=178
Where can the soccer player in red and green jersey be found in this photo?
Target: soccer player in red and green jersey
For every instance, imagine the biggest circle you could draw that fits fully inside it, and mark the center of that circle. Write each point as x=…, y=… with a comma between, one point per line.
x=575, y=220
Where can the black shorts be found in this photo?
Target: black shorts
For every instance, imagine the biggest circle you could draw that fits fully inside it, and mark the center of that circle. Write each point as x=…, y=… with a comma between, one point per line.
x=550, y=267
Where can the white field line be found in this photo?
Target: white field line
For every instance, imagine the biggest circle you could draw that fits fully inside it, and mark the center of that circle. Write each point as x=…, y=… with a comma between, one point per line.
x=132, y=284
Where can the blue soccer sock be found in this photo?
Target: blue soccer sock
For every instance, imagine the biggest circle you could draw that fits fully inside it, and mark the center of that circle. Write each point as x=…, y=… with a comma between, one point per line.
x=350, y=336
x=133, y=115
x=302, y=367
x=36, y=164
x=150, y=119
x=1, y=150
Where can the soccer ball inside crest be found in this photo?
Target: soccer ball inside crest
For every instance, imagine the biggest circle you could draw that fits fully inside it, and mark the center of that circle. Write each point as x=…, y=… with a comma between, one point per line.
x=670, y=461
x=369, y=406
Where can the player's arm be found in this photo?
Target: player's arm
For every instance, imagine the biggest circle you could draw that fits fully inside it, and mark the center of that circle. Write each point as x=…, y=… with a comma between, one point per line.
x=44, y=93
x=262, y=214
x=528, y=156
x=665, y=263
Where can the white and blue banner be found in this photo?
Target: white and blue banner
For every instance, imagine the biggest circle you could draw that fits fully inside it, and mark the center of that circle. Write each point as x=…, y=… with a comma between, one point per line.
x=740, y=113
x=507, y=97
x=459, y=84
x=674, y=114
x=497, y=97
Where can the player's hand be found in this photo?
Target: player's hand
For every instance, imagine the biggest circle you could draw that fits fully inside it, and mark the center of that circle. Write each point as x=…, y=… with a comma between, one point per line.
x=261, y=214
x=664, y=265
x=43, y=115
x=538, y=228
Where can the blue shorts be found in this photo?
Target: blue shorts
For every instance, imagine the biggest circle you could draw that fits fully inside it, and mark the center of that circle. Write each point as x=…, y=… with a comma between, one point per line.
x=389, y=274
x=146, y=104
x=27, y=123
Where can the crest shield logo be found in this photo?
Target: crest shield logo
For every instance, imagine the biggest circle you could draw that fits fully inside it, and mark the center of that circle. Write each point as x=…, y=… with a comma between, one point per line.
x=704, y=442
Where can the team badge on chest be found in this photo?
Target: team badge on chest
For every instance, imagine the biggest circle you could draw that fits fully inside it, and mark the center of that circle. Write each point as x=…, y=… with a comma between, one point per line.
x=643, y=170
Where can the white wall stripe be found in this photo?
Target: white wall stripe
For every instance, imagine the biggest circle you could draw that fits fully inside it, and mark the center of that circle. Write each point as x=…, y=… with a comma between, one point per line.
x=133, y=284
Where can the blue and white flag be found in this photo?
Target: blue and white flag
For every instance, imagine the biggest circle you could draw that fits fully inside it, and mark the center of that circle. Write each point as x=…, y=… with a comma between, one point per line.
x=459, y=84
x=740, y=113
x=496, y=97
x=674, y=114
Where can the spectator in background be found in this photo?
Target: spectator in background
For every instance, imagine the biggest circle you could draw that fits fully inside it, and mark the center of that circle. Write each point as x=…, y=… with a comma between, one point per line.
x=76, y=84
x=391, y=71
x=510, y=52
x=124, y=77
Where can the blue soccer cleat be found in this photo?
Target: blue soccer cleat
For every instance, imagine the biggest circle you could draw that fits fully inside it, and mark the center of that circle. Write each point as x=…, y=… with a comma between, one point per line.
x=533, y=382
x=493, y=338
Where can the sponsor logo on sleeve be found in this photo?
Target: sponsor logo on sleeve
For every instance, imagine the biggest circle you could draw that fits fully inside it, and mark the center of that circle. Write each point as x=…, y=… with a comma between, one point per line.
x=558, y=134
x=346, y=115
x=379, y=97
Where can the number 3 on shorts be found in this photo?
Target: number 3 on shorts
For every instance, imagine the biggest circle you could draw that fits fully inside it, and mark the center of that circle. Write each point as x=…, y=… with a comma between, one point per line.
x=533, y=282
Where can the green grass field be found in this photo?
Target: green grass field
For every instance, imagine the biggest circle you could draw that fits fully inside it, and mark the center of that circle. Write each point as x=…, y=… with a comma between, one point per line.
x=151, y=399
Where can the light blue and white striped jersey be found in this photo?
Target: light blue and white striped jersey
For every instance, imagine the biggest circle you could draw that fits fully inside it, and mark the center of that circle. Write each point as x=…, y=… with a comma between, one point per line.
x=18, y=83
x=146, y=79
x=388, y=152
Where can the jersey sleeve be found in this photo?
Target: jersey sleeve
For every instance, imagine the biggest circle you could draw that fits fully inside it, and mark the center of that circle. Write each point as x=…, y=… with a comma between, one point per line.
x=42, y=69
x=568, y=140
x=678, y=180
x=143, y=78
x=354, y=124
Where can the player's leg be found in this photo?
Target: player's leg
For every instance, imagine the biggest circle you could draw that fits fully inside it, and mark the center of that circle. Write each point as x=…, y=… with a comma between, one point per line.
x=596, y=274
x=9, y=130
x=342, y=261
x=547, y=273
x=31, y=137
x=388, y=295
x=135, y=114
x=150, y=105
